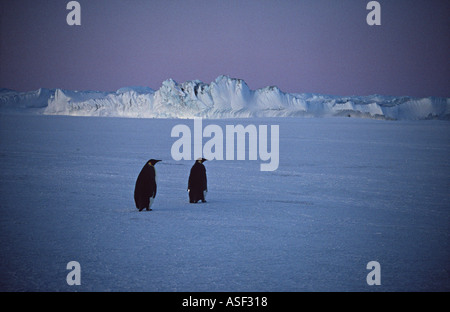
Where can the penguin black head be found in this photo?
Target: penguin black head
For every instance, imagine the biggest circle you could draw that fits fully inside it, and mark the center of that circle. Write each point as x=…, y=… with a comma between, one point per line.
x=153, y=161
x=202, y=160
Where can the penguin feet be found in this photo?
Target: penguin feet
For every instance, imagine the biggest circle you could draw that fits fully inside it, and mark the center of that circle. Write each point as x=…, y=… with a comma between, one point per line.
x=196, y=201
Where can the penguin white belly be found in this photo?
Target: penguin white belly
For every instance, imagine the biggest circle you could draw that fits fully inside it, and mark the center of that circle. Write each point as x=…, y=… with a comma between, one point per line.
x=152, y=199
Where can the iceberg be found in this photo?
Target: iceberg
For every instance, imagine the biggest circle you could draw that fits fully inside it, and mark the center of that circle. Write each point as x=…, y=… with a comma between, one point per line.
x=223, y=98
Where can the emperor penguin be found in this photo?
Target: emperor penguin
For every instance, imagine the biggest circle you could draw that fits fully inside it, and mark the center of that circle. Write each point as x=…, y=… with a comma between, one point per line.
x=145, y=189
x=197, y=184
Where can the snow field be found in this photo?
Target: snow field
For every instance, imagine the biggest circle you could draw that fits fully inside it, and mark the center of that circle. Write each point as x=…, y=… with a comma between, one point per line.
x=347, y=191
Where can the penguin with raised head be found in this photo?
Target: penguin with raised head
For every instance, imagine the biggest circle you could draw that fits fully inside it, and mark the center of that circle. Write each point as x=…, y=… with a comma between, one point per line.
x=145, y=189
x=197, y=184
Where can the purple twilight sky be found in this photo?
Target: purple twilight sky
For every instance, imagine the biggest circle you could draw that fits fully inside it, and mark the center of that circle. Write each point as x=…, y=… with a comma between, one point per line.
x=318, y=46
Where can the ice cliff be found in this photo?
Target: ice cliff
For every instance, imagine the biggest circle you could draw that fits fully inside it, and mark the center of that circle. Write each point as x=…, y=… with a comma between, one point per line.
x=223, y=98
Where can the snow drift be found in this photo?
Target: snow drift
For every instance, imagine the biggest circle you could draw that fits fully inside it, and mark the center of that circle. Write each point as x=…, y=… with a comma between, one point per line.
x=223, y=98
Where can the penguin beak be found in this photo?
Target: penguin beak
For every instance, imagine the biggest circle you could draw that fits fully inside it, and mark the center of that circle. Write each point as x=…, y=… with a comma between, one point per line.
x=154, y=161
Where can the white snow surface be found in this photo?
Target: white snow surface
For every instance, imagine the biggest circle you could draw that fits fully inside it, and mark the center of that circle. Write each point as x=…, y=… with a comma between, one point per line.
x=223, y=98
x=348, y=191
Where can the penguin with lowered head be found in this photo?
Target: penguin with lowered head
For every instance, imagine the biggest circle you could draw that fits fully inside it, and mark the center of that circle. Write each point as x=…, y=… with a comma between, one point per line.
x=197, y=184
